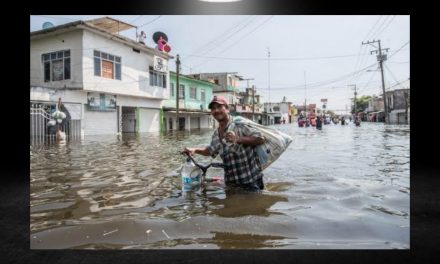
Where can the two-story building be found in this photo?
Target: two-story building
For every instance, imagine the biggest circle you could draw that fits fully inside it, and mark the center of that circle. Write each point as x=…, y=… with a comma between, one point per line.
x=249, y=105
x=108, y=83
x=398, y=104
x=194, y=98
x=277, y=113
x=227, y=84
x=374, y=110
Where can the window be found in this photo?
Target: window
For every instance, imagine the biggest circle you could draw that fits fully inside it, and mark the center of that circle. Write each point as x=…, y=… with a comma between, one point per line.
x=158, y=78
x=107, y=65
x=56, y=65
x=172, y=89
x=192, y=93
x=202, y=96
x=182, y=91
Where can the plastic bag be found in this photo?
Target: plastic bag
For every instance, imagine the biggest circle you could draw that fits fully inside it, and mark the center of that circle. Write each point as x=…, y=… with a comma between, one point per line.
x=276, y=142
x=51, y=123
x=58, y=115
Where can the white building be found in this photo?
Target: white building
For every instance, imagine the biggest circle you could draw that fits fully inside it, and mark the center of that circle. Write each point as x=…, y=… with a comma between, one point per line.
x=108, y=83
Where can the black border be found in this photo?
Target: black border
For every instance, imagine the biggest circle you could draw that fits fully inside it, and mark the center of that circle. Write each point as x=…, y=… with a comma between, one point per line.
x=15, y=163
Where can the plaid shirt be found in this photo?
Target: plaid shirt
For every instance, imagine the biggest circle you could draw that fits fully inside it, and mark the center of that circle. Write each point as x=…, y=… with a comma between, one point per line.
x=241, y=162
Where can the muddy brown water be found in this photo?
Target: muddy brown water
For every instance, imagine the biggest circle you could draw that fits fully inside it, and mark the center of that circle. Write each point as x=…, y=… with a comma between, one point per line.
x=342, y=187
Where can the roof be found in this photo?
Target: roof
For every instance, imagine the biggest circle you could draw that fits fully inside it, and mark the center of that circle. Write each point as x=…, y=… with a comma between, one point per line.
x=219, y=73
x=98, y=27
x=193, y=79
x=110, y=24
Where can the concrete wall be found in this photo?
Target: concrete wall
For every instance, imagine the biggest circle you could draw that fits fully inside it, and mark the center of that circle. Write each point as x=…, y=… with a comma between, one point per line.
x=135, y=79
x=149, y=120
x=191, y=121
x=67, y=41
x=187, y=102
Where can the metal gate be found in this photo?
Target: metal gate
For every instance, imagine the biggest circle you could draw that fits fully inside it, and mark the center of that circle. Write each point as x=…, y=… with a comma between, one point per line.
x=41, y=133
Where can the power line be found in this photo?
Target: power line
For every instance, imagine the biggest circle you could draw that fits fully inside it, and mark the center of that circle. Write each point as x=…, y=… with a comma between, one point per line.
x=151, y=21
x=398, y=49
x=379, y=28
x=230, y=37
x=378, y=34
x=371, y=30
x=258, y=26
x=207, y=46
x=131, y=22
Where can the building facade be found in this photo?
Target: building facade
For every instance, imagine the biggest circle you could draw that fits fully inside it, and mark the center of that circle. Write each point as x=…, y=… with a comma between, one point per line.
x=109, y=83
x=226, y=84
x=194, y=98
x=374, y=111
x=398, y=102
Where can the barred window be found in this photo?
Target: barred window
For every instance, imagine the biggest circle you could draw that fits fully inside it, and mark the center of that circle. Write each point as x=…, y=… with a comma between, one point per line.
x=192, y=93
x=182, y=91
x=107, y=65
x=202, y=95
x=56, y=65
x=158, y=78
x=172, y=89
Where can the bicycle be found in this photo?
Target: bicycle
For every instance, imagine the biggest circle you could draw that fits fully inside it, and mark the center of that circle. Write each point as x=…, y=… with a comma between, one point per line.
x=204, y=168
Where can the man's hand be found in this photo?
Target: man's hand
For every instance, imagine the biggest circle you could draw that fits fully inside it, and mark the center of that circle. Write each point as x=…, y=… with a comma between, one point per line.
x=230, y=136
x=189, y=151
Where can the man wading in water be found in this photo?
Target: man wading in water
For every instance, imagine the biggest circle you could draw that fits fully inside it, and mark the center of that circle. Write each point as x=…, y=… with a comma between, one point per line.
x=236, y=145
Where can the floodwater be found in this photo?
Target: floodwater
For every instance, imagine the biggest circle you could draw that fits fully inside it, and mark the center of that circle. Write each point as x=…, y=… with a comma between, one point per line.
x=342, y=187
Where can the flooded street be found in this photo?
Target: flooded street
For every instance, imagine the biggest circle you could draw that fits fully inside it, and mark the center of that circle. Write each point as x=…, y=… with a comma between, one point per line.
x=344, y=187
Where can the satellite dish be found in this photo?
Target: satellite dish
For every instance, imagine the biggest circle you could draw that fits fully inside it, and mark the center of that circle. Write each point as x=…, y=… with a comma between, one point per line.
x=47, y=25
x=157, y=35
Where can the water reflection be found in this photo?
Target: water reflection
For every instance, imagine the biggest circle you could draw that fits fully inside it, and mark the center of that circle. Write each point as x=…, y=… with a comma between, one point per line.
x=239, y=203
x=351, y=182
x=226, y=240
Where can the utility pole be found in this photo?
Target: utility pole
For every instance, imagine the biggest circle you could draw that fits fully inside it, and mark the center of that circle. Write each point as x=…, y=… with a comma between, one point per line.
x=381, y=58
x=177, y=90
x=355, y=93
x=268, y=70
x=253, y=103
x=305, y=95
x=248, y=79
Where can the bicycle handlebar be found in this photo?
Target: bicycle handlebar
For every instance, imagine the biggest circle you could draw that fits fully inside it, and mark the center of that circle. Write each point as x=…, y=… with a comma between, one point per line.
x=204, y=168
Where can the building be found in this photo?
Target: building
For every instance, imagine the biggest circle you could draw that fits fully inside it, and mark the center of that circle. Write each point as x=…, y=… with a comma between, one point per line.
x=374, y=111
x=227, y=84
x=108, y=83
x=398, y=102
x=310, y=111
x=194, y=99
x=278, y=113
x=249, y=105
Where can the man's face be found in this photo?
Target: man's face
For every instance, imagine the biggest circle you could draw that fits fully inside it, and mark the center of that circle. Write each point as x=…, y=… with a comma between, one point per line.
x=219, y=112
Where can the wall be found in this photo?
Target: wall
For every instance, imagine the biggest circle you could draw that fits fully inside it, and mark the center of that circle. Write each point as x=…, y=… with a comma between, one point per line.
x=135, y=79
x=67, y=41
x=149, y=120
x=100, y=123
x=189, y=103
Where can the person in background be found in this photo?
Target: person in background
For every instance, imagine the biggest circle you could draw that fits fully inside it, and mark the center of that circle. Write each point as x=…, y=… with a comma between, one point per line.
x=318, y=122
x=357, y=120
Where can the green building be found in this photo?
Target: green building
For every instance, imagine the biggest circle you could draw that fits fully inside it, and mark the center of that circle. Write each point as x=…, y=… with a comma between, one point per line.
x=194, y=97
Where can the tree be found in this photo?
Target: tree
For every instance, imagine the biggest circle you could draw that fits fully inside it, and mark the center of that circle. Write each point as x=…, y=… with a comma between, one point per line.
x=329, y=113
x=361, y=103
